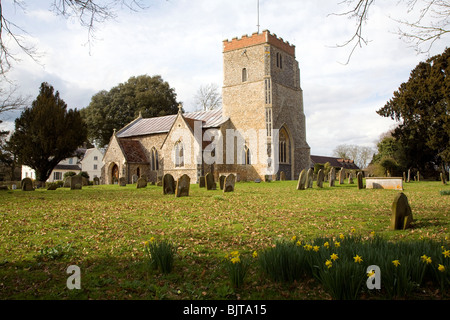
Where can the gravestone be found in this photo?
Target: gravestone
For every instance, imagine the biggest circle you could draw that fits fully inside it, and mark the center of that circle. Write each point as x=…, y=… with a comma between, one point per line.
x=332, y=176
x=350, y=178
x=67, y=182
x=309, y=178
x=401, y=217
x=222, y=181
x=168, y=184
x=360, y=180
x=282, y=176
x=134, y=178
x=409, y=176
x=141, y=183
x=183, y=185
x=52, y=186
x=404, y=176
x=342, y=176
x=202, y=182
x=27, y=184
x=230, y=181
x=418, y=176
x=76, y=182
x=301, y=184
x=210, y=183
x=96, y=181
x=320, y=177
x=267, y=178
x=122, y=182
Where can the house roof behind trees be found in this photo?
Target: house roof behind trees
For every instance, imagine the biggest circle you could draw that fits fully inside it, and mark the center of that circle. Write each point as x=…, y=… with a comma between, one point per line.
x=335, y=162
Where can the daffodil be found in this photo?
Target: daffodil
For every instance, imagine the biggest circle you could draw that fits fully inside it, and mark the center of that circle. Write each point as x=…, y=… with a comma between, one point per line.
x=307, y=247
x=299, y=243
x=446, y=253
x=334, y=257
x=255, y=254
x=426, y=259
x=235, y=260
x=372, y=233
x=146, y=243
x=441, y=268
x=396, y=263
x=341, y=236
x=353, y=230
x=329, y=264
x=152, y=240
x=316, y=248
x=357, y=259
x=293, y=238
x=371, y=273
x=326, y=245
x=234, y=253
x=337, y=244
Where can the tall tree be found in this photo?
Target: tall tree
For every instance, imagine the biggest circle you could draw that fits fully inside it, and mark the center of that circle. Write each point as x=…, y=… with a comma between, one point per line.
x=47, y=132
x=109, y=110
x=421, y=106
x=208, y=97
x=361, y=155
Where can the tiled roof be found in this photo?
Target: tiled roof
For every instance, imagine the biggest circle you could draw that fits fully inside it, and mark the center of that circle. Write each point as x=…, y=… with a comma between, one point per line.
x=73, y=167
x=147, y=126
x=133, y=151
x=335, y=162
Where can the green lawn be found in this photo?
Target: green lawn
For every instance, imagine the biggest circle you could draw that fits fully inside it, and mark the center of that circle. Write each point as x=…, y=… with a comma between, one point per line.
x=102, y=229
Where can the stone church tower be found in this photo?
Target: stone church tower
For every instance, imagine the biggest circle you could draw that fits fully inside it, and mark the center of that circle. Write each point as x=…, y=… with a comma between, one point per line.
x=261, y=91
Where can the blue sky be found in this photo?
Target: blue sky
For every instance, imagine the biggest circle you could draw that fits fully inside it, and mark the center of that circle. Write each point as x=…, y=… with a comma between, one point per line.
x=181, y=40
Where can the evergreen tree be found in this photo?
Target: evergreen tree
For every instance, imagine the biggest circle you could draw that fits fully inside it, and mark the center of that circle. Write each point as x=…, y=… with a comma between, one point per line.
x=47, y=132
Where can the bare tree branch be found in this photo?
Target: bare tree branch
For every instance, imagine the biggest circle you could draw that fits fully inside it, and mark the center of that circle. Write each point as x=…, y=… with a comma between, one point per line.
x=208, y=97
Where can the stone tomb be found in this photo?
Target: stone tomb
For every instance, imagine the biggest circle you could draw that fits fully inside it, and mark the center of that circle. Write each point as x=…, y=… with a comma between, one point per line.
x=183, y=185
x=391, y=183
x=229, y=184
x=168, y=184
x=27, y=184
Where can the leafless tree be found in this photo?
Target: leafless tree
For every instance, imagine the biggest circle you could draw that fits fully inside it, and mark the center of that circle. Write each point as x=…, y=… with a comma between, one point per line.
x=361, y=155
x=89, y=13
x=432, y=21
x=208, y=97
x=10, y=100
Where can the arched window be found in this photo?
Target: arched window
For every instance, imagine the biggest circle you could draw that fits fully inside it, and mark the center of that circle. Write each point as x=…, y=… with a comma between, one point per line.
x=154, y=160
x=244, y=75
x=246, y=156
x=283, y=146
x=179, y=154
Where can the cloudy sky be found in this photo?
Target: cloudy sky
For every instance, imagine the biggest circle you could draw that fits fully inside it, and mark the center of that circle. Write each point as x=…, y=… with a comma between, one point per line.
x=181, y=40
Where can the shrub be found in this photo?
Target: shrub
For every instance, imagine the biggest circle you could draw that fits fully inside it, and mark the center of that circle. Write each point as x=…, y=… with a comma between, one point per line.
x=161, y=254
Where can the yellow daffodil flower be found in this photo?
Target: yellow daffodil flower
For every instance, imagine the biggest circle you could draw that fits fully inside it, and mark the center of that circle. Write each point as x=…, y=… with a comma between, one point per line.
x=396, y=263
x=441, y=268
x=293, y=238
x=446, y=253
x=326, y=245
x=299, y=243
x=371, y=273
x=357, y=259
x=255, y=254
x=235, y=260
x=337, y=244
x=316, y=248
x=329, y=264
x=341, y=236
x=334, y=257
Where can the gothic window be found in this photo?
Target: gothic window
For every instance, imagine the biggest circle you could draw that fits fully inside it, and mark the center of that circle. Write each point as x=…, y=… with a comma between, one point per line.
x=268, y=91
x=283, y=146
x=154, y=160
x=279, y=61
x=269, y=121
x=246, y=156
x=179, y=154
x=244, y=75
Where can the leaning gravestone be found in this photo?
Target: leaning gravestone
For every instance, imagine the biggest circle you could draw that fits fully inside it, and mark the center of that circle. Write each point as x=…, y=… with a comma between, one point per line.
x=168, y=184
x=76, y=182
x=401, y=213
x=122, y=182
x=210, y=184
x=409, y=176
x=27, y=184
x=301, y=184
x=309, y=178
x=141, y=183
x=332, y=176
x=222, y=181
x=320, y=177
x=183, y=185
x=350, y=178
x=342, y=176
x=230, y=181
x=360, y=180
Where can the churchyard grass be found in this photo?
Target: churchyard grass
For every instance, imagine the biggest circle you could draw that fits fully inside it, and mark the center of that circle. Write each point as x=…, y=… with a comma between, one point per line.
x=103, y=230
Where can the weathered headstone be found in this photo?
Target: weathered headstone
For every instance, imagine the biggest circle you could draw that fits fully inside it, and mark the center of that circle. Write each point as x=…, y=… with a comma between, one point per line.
x=222, y=181
x=282, y=176
x=202, y=182
x=67, y=182
x=418, y=176
x=122, y=182
x=320, y=177
x=141, y=183
x=134, y=178
x=409, y=176
x=401, y=213
x=229, y=183
x=183, y=185
x=76, y=182
x=360, y=180
x=342, y=176
x=96, y=181
x=350, y=178
x=301, y=184
x=332, y=176
x=210, y=183
x=27, y=184
x=309, y=178
x=168, y=184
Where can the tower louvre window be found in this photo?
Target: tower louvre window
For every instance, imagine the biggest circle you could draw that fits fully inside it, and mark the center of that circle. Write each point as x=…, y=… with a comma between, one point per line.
x=244, y=75
x=269, y=121
x=268, y=91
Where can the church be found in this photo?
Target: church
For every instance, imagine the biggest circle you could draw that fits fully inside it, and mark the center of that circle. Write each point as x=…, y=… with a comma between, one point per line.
x=260, y=130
